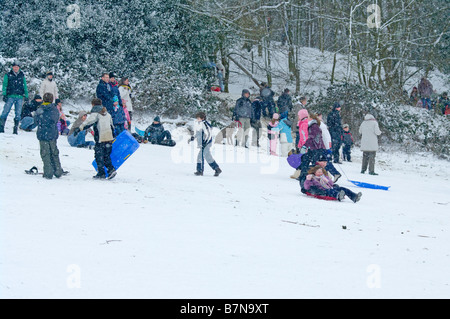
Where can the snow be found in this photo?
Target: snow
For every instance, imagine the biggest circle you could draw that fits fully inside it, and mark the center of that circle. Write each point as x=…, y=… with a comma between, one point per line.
x=158, y=231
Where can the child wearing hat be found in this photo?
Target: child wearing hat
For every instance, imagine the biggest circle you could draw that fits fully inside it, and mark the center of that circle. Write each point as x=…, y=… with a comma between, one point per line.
x=347, y=140
x=156, y=134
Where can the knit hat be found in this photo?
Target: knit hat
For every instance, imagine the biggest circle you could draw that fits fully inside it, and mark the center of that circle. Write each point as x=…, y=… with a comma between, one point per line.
x=37, y=97
x=157, y=119
x=16, y=63
x=57, y=101
x=322, y=158
x=112, y=75
x=49, y=73
x=336, y=105
x=303, y=113
x=345, y=126
x=276, y=116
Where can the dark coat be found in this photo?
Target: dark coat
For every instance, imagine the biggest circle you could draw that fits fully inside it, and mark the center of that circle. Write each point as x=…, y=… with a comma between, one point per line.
x=334, y=123
x=105, y=93
x=284, y=103
x=30, y=107
x=257, y=109
x=243, y=108
x=315, y=140
x=347, y=138
x=155, y=131
x=16, y=84
x=118, y=116
x=46, y=119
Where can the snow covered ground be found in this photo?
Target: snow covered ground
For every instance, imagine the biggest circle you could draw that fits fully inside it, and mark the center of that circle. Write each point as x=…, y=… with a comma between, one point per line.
x=157, y=231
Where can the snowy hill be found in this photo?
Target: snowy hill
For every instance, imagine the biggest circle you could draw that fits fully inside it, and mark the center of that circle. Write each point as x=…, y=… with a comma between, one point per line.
x=157, y=231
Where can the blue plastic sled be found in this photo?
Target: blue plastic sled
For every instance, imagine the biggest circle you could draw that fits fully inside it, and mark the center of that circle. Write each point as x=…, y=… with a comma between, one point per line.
x=139, y=132
x=295, y=160
x=123, y=147
x=372, y=186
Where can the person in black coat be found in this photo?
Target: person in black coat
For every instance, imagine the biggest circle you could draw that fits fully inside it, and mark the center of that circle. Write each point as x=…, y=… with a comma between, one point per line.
x=334, y=123
x=156, y=134
x=27, y=120
x=256, y=120
x=46, y=119
x=284, y=104
x=268, y=102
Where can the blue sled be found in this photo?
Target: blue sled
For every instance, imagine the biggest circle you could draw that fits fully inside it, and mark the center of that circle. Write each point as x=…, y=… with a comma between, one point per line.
x=139, y=132
x=372, y=186
x=123, y=147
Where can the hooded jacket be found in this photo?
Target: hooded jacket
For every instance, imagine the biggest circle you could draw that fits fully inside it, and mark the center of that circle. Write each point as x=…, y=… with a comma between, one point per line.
x=46, y=119
x=315, y=140
x=103, y=126
x=369, y=130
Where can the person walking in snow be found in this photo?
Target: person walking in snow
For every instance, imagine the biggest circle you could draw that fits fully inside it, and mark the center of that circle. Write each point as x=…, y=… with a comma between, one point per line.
x=204, y=141
x=347, y=140
x=46, y=119
x=14, y=92
x=334, y=122
x=103, y=127
x=49, y=86
x=369, y=131
x=243, y=113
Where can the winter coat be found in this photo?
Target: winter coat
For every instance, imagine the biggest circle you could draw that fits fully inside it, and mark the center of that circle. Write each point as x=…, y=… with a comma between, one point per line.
x=104, y=92
x=48, y=86
x=125, y=93
x=257, y=109
x=323, y=182
x=284, y=103
x=425, y=88
x=103, y=126
x=273, y=130
x=334, y=123
x=29, y=108
x=203, y=135
x=46, y=119
x=155, y=131
x=303, y=132
x=285, y=127
x=314, y=141
x=326, y=137
x=369, y=130
x=15, y=85
x=243, y=108
x=347, y=138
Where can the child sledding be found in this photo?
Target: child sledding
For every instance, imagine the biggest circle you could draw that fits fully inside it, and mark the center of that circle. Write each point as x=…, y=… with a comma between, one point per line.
x=156, y=134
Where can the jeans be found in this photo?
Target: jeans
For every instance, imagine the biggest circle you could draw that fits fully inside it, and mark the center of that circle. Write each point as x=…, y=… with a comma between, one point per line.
x=27, y=123
x=17, y=102
x=79, y=140
x=426, y=103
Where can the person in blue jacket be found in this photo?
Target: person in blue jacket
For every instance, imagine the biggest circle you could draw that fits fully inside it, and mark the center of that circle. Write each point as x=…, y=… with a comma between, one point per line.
x=286, y=140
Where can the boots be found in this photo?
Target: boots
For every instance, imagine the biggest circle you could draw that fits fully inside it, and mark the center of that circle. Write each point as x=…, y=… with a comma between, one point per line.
x=16, y=126
x=2, y=126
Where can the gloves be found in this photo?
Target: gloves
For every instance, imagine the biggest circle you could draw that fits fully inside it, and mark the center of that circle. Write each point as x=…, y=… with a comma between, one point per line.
x=303, y=150
x=76, y=131
x=5, y=98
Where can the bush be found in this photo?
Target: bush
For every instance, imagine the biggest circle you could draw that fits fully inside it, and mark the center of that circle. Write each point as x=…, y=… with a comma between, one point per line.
x=409, y=128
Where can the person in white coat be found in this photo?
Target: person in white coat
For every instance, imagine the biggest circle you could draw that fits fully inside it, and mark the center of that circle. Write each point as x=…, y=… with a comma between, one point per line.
x=369, y=131
x=125, y=94
x=49, y=86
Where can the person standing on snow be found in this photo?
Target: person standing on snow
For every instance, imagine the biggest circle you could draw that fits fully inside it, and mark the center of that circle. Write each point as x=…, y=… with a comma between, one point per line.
x=49, y=86
x=14, y=91
x=334, y=123
x=284, y=104
x=243, y=113
x=369, y=131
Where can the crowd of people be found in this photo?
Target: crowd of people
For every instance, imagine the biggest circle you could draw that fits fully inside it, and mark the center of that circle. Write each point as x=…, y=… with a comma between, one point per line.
x=291, y=129
x=424, y=96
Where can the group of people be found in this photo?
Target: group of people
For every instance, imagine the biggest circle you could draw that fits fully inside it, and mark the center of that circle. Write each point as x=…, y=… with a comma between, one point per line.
x=424, y=96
